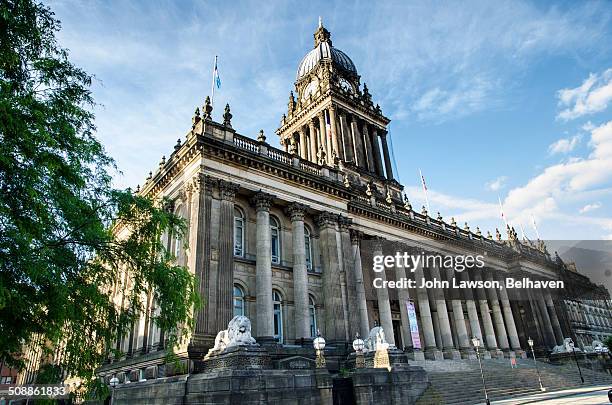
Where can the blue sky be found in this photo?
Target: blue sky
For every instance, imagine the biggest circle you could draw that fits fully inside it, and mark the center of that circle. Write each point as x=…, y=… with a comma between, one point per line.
x=507, y=98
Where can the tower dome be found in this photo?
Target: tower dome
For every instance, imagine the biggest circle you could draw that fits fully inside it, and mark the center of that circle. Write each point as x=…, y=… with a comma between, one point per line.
x=323, y=49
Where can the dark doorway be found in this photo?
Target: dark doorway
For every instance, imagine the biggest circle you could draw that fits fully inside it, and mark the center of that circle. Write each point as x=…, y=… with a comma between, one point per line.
x=343, y=391
x=397, y=334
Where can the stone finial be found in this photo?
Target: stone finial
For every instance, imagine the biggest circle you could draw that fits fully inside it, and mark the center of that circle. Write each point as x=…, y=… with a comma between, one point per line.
x=138, y=188
x=407, y=204
x=424, y=211
x=498, y=235
x=389, y=199
x=227, y=116
x=478, y=232
x=163, y=160
x=207, y=109
x=261, y=138
x=368, y=190
x=439, y=217
x=292, y=147
x=466, y=227
x=291, y=103
x=196, y=117
x=321, y=156
x=347, y=183
x=366, y=94
x=178, y=144
x=489, y=236
x=377, y=109
x=453, y=222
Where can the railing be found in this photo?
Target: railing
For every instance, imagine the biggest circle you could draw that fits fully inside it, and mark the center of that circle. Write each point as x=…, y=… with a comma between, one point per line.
x=279, y=155
x=309, y=167
x=246, y=143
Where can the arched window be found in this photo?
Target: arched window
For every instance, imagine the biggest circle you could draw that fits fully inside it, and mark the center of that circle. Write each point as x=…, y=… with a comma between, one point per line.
x=238, y=233
x=176, y=241
x=275, y=239
x=308, y=248
x=278, y=316
x=238, y=300
x=313, y=317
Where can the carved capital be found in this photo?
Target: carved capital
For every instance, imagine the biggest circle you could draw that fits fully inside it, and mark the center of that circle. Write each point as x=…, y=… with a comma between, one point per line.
x=326, y=219
x=356, y=236
x=344, y=223
x=377, y=242
x=228, y=190
x=262, y=201
x=296, y=211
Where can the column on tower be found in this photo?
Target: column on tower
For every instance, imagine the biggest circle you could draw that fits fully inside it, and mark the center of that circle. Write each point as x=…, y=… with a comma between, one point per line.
x=323, y=141
x=358, y=144
x=347, y=140
x=385, y=146
x=334, y=135
x=303, y=146
x=368, y=148
x=376, y=152
x=263, y=268
x=300, y=273
x=314, y=144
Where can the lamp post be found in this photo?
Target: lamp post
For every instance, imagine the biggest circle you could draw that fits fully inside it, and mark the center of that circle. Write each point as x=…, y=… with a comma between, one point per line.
x=571, y=343
x=476, y=343
x=113, y=383
x=358, y=345
x=319, y=345
x=530, y=341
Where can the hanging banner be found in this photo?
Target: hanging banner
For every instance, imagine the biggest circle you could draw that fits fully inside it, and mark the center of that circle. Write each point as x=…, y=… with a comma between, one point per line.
x=414, y=326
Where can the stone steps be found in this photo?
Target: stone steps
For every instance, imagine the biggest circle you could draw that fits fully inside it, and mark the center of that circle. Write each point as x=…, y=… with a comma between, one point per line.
x=459, y=382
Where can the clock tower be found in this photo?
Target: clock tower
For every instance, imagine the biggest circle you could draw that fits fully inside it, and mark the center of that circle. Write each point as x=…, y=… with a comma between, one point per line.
x=331, y=119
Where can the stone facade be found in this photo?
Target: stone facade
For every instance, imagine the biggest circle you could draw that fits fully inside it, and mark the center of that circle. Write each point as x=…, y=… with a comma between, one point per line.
x=286, y=238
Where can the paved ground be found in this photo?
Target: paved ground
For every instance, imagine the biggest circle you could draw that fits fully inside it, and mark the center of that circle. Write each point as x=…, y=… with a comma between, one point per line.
x=578, y=396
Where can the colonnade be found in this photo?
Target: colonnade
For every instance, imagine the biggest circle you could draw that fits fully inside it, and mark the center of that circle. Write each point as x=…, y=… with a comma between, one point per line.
x=335, y=131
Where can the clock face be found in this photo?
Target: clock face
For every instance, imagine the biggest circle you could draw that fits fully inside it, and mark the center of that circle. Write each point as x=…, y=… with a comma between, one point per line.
x=310, y=89
x=346, y=85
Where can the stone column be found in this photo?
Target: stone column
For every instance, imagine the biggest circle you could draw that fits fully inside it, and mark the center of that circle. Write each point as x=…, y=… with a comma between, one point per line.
x=333, y=330
x=348, y=277
x=332, y=123
x=349, y=154
x=446, y=334
x=368, y=148
x=314, y=144
x=548, y=329
x=323, y=135
x=225, y=279
x=463, y=339
x=300, y=273
x=403, y=297
x=486, y=319
x=553, y=317
x=470, y=305
x=359, y=151
x=502, y=337
x=303, y=146
x=385, y=146
x=263, y=268
x=431, y=351
x=376, y=152
x=382, y=296
x=362, y=304
x=509, y=318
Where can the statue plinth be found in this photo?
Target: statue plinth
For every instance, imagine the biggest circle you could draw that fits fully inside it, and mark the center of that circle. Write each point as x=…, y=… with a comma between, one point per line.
x=252, y=357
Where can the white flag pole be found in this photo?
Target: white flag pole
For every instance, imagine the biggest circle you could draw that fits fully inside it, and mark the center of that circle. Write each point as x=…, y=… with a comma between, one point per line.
x=535, y=228
x=425, y=191
x=212, y=87
x=501, y=210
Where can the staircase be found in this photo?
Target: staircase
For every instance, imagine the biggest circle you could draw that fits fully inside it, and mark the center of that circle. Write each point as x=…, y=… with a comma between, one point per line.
x=459, y=381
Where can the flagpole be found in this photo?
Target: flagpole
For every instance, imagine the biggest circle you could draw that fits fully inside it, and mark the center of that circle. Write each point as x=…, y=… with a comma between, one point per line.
x=535, y=228
x=212, y=85
x=501, y=209
x=425, y=191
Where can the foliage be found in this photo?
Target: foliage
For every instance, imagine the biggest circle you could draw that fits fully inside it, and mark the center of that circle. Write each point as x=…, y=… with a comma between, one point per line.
x=63, y=250
x=608, y=343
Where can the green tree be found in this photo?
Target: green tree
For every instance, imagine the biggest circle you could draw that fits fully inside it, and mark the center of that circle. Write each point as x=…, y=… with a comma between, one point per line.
x=62, y=256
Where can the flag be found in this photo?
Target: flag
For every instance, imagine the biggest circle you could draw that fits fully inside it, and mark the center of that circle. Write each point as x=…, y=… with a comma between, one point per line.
x=216, y=77
x=501, y=210
x=423, y=181
x=424, y=190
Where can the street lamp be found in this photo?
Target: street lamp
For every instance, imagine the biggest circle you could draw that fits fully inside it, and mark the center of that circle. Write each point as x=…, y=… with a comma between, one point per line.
x=571, y=343
x=319, y=345
x=113, y=383
x=476, y=343
x=530, y=341
x=358, y=345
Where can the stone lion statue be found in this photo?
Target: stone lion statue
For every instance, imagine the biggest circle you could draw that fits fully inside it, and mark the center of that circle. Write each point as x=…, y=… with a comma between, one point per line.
x=566, y=347
x=376, y=340
x=238, y=333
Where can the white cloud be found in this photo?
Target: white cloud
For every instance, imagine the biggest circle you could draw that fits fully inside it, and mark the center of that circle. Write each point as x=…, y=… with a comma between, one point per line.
x=592, y=96
x=564, y=145
x=497, y=184
x=590, y=207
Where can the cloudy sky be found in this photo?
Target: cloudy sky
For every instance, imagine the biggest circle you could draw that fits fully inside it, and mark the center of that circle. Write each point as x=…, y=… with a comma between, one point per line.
x=489, y=99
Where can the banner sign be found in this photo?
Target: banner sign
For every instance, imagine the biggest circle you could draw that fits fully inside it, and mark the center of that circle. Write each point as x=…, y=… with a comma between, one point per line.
x=414, y=326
